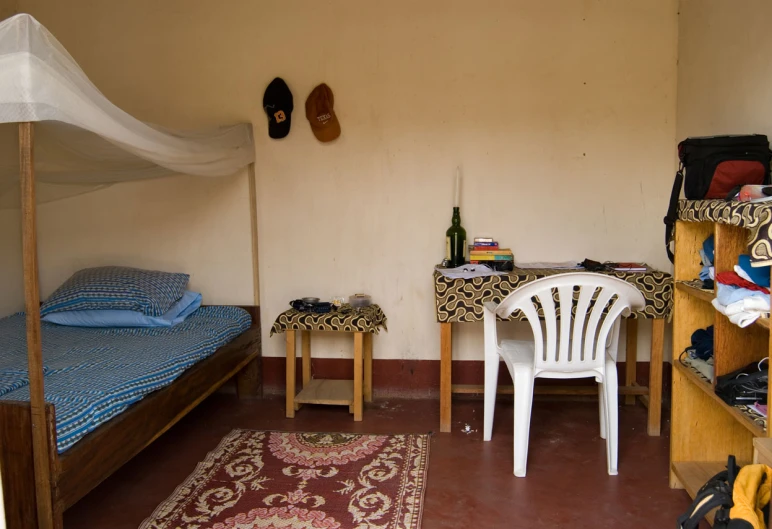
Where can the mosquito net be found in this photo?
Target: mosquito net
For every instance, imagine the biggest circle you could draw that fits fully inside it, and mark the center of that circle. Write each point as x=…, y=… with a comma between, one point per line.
x=82, y=140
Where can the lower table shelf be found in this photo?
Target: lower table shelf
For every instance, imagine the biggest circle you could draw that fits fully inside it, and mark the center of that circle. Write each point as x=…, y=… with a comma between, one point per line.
x=325, y=391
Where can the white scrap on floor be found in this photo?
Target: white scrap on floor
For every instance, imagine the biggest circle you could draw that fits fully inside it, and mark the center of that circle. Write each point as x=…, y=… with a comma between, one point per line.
x=467, y=429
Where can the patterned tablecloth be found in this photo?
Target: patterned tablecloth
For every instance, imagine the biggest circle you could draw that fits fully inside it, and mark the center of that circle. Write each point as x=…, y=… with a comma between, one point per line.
x=346, y=319
x=756, y=217
x=461, y=300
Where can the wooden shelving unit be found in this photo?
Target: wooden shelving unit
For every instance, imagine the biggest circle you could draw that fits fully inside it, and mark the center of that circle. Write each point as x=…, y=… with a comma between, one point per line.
x=704, y=429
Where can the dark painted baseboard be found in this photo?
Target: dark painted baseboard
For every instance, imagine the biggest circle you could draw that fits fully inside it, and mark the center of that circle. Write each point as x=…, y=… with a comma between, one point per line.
x=419, y=378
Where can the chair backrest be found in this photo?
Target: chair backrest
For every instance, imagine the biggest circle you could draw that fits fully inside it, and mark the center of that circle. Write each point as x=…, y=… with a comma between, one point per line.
x=594, y=303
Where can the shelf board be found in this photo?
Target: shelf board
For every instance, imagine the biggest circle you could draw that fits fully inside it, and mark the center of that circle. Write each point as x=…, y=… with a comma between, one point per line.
x=325, y=391
x=763, y=322
x=699, y=293
x=694, y=474
x=743, y=419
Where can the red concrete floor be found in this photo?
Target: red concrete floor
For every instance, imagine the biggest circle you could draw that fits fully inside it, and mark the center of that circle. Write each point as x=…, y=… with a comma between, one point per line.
x=470, y=483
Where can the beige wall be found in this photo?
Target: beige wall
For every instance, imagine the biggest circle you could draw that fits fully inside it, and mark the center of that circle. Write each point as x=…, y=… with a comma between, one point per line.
x=562, y=113
x=724, y=75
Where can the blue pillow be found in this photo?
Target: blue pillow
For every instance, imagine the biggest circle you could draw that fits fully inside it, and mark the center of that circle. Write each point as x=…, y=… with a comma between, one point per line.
x=118, y=288
x=187, y=304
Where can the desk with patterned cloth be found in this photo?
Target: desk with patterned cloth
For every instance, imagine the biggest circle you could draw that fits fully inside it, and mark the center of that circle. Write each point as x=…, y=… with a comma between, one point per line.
x=363, y=322
x=461, y=300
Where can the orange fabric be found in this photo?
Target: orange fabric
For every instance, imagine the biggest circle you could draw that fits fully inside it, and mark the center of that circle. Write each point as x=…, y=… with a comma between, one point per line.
x=751, y=492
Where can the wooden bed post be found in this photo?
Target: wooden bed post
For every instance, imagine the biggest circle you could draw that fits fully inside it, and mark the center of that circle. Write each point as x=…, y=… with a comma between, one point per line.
x=253, y=232
x=34, y=349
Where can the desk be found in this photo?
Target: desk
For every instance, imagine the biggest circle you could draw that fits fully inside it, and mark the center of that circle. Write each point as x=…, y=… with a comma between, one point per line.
x=363, y=323
x=461, y=301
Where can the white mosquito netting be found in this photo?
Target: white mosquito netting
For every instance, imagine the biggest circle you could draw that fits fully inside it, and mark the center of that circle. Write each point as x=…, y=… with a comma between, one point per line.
x=82, y=140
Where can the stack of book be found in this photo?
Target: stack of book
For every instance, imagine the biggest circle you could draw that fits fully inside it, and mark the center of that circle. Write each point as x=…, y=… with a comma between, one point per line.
x=485, y=250
x=627, y=267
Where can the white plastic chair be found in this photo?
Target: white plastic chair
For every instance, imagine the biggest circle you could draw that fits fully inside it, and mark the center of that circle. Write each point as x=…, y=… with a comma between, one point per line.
x=584, y=345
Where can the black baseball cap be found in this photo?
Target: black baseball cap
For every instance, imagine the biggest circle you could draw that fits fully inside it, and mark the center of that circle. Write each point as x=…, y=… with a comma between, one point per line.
x=277, y=103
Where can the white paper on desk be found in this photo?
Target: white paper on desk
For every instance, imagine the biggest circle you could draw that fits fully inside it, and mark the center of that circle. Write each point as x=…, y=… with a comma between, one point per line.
x=469, y=271
x=566, y=265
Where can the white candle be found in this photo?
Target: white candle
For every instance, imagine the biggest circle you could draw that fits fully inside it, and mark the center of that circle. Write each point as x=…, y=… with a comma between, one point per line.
x=458, y=187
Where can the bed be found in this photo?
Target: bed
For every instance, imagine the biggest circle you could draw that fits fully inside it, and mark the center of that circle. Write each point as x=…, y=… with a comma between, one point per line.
x=140, y=382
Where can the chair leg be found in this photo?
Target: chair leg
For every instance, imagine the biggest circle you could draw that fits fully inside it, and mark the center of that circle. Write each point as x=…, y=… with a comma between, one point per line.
x=611, y=388
x=523, y=402
x=491, y=381
x=602, y=409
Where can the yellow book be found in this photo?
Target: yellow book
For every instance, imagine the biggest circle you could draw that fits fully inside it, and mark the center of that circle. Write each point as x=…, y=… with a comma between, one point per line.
x=503, y=251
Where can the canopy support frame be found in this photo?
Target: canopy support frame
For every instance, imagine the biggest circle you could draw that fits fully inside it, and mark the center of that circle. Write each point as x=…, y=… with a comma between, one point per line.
x=43, y=496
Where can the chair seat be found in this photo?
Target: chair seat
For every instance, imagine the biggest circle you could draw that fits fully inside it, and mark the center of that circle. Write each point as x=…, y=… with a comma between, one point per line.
x=520, y=353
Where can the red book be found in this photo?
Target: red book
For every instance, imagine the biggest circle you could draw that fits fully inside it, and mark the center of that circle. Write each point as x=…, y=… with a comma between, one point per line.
x=486, y=247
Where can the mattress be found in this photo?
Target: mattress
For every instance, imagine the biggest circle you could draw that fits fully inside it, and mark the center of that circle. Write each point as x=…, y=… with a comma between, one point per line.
x=91, y=375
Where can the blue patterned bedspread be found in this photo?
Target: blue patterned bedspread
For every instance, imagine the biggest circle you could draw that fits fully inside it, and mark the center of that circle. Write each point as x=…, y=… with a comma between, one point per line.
x=91, y=375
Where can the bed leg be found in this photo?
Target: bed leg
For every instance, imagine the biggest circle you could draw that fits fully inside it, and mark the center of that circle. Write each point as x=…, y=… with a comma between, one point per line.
x=18, y=469
x=249, y=381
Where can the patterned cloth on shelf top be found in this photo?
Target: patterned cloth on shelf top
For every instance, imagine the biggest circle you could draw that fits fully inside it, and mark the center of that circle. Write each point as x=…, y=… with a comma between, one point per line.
x=346, y=319
x=755, y=216
x=461, y=300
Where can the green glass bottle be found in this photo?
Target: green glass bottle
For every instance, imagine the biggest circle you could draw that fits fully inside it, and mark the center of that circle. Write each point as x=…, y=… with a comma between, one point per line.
x=455, y=242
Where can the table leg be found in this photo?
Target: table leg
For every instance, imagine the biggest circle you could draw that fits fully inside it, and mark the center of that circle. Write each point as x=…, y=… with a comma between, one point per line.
x=446, y=359
x=358, y=376
x=631, y=362
x=368, y=367
x=305, y=347
x=290, y=397
x=655, y=376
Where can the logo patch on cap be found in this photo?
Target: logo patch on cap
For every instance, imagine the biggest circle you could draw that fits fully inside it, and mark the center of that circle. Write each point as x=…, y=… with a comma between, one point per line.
x=279, y=116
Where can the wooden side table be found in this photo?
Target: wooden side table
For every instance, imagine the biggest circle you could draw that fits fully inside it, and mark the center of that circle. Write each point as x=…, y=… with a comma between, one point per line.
x=363, y=323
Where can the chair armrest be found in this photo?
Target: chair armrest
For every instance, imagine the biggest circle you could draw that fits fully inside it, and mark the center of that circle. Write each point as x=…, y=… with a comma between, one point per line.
x=491, y=306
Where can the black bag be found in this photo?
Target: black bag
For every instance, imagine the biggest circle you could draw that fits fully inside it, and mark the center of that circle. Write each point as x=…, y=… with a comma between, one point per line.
x=744, y=386
x=714, y=167
x=717, y=492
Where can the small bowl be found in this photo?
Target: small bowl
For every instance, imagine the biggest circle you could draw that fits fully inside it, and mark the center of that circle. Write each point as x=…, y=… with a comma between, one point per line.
x=310, y=301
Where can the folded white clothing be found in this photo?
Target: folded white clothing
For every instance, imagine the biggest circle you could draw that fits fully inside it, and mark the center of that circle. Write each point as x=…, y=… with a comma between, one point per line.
x=744, y=312
x=749, y=304
x=706, y=368
x=742, y=273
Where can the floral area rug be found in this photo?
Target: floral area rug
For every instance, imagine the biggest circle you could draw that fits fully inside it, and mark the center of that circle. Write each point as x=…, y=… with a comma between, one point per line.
x=278, y=480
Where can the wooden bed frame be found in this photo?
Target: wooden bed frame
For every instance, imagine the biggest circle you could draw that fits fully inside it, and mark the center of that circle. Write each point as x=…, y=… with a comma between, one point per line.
x=100, y=453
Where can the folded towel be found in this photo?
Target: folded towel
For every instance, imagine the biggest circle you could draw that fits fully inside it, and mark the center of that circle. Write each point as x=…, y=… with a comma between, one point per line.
x=731, y=278
x=758, y=274
x=744, y=312
x=728, y=294
x=742, y=273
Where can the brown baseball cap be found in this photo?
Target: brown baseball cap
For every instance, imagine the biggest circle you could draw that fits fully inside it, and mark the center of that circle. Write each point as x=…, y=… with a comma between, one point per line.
x=321, y=115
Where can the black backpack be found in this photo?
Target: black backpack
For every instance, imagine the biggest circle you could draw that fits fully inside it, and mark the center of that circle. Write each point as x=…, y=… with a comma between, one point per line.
x=717, y=492
x=716, y=167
